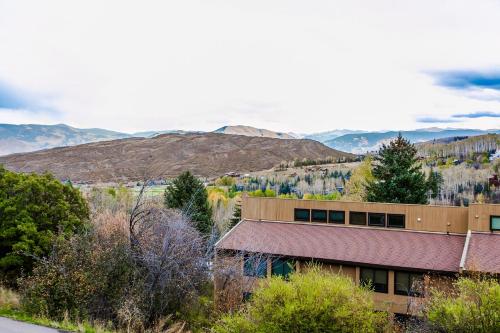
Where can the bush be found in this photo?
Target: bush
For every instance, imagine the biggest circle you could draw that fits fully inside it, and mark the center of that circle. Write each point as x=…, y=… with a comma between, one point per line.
x=262, y=194
x=474, y=307
x=316, y=301
x=33, y=210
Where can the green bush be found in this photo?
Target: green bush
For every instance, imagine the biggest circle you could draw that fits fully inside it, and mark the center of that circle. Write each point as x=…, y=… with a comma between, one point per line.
x=316, y=301
x=475, y=307
x=262, y=194
x=33, y=210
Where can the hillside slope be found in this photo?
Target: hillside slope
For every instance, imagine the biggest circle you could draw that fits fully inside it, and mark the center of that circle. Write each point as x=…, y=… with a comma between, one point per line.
x=252, y=131
x=460, y=147
x=207, y=155
x=364, y=142
x=24, y=138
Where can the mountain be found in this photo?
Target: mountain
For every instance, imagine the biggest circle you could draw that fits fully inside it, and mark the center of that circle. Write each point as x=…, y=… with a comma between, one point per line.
x=167, y=155
x=363, y=142
x=329, y=135
x=24, y=138
x=252, y=131
x=150, y=134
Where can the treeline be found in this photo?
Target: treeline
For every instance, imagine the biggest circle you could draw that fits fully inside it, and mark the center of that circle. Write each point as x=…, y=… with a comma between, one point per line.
x=462, y=149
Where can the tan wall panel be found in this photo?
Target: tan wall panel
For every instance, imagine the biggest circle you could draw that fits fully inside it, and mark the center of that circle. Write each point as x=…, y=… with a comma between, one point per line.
x=479, y=216
x=418, y=217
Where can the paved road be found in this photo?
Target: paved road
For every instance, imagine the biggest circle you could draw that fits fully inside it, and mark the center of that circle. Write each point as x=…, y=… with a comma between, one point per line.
x=12, y=326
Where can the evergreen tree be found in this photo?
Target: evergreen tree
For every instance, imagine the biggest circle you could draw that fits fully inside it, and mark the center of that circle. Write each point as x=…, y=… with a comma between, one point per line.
x=236, y=215
x=188, y=194
x=398, y=177
x=434, y=183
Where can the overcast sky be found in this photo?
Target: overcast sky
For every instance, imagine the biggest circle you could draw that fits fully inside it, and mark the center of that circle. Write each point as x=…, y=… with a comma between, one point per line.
x=302, y=66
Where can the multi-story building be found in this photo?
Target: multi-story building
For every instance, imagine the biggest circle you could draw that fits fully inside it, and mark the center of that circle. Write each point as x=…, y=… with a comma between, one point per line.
x=400, y=249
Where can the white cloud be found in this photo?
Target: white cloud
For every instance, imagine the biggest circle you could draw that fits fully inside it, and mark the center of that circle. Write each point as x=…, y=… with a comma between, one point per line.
x=298, y=66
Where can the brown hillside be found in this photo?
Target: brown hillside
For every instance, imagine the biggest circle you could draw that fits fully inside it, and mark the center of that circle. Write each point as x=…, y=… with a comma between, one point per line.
x=207, y=155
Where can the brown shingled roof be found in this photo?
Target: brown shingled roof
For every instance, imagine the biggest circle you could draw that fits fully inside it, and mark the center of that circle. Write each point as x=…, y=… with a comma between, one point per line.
x=483, y=253
x=382, y=247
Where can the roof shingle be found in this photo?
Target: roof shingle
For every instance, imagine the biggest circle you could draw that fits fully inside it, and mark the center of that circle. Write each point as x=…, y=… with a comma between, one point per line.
x=382, y=247
x=483, y=253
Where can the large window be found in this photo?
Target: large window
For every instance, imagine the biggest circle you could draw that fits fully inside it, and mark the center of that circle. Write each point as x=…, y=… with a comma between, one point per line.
x=357, y=218
x=408, y=283
x=282, y=267
x=336, y=216
x=495, y=223
x=376, y=278
x=255, y=265
x=376, y=219
x=395, y=220
x=318, y=215
x=302, y=215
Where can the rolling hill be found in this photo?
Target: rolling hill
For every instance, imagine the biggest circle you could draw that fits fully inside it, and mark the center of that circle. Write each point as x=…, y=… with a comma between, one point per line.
x=25, y=138
x=163, y=156
x=460, y=147
x=359, y=143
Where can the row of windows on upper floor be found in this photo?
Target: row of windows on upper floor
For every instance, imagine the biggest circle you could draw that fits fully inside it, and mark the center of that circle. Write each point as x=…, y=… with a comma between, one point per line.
x=405, y=283
x=355, y=218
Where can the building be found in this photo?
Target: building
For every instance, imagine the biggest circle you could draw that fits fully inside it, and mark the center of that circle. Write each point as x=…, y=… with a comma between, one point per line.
x=401, y=249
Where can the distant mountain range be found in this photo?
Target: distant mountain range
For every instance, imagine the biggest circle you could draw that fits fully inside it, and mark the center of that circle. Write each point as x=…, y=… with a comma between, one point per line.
x=359, y=143
x=252, y=131
x=167, y=155
x=26, y=138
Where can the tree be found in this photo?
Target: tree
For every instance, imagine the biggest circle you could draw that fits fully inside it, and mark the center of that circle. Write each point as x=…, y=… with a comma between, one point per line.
x=474, y=307
x=398, y=177
x=34, y=209
x=315, y=301
x=236, y=214
x=434, y=182
x=188, y=194
x=355, y=187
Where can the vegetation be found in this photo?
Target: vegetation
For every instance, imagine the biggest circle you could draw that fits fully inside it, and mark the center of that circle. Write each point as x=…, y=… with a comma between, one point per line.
x=34, y=209
x=473, y=307
x=355, y=188
x=188, y=194
x=316, y=301
x=398, y=176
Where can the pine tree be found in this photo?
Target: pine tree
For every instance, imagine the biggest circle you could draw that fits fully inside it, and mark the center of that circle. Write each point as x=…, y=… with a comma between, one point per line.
x=236, y=215
x=188, y=193
x=434, y=182
x=398, y=177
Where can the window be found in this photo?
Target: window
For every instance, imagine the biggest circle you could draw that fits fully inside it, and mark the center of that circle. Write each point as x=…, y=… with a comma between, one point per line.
x=337, y=216
x=376, y=278
x=282, y=267
x=495, y=223
x=395, y=220
x=246, y=296
x=376, y=219
x=318, y=215
x=302, y=215
x=255, y=266
x=358, y=218
x=408, y=283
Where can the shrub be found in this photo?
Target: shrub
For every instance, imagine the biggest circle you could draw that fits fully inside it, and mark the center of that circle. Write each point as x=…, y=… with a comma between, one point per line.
x=474, y=307
x=33, y=209
x=316, y=301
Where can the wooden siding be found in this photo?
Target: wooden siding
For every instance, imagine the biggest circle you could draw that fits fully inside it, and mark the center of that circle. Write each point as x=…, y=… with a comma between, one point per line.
x=479, y=216
x=417, y=217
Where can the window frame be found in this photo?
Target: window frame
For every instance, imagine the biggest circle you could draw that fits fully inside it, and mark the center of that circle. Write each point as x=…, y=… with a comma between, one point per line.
x=374, y=270
x=319, y=210
x=395, y=226
x=301, y=220
x=289, y=262
x=410, y=292
x=355, y=212
x=380, y=215
x=336, y=211
x=491, y=222
x=255, y=270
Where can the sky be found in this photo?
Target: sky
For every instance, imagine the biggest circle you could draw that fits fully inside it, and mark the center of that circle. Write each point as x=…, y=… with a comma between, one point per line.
x=293, y=66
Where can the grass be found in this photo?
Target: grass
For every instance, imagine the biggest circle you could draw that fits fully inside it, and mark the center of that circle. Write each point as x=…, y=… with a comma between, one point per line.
x=10, y=308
